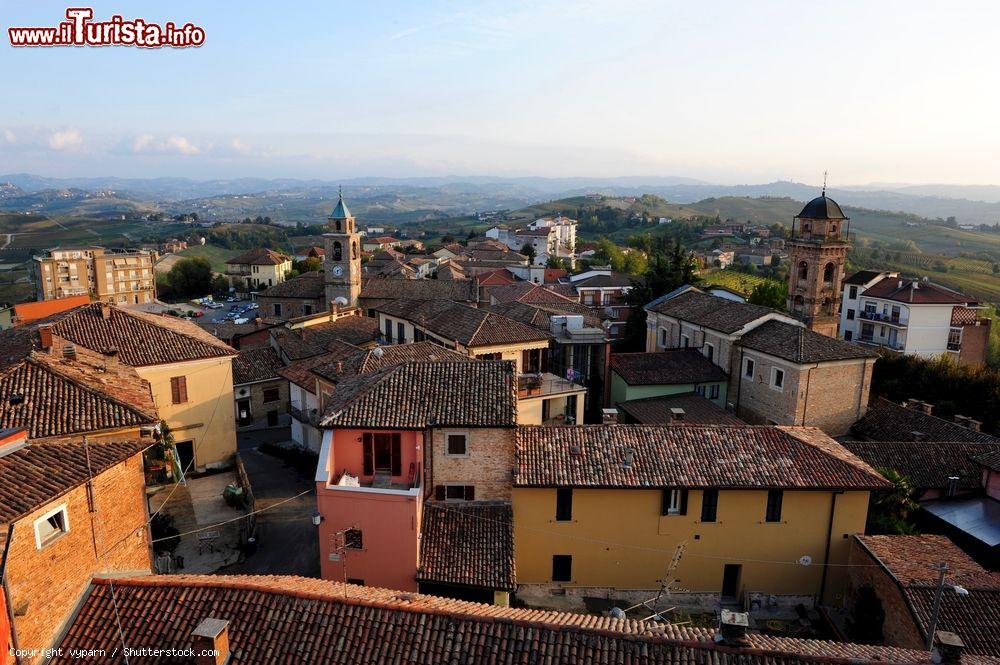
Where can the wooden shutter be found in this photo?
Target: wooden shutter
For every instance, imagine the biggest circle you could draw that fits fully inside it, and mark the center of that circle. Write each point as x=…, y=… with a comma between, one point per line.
x=684, y=503
x=178, y=389
x=368, y=454
x=397, y=455
x=439, y=492
x=470, y=492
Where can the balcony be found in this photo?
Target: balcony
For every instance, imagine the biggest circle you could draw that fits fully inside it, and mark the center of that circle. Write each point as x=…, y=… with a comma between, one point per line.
x=381, y=480
x=885, y=344
x=306, y=417
x=543, y=384
x=888, y=319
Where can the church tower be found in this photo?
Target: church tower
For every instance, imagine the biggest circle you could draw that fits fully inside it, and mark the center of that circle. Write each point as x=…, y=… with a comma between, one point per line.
x=342, y=260
x=817, y=252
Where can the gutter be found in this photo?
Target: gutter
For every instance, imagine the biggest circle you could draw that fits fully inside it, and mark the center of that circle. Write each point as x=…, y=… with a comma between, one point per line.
x=829, y=538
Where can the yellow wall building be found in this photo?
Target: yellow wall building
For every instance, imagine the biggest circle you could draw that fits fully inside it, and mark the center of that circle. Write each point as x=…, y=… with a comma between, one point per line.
x=753, y=512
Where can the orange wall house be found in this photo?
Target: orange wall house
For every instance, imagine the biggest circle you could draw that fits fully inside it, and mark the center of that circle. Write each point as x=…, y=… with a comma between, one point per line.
x=369, y=481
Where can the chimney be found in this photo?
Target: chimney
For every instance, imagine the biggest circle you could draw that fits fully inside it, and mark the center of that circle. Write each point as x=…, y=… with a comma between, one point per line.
x=609, y=416
x=45, y=337
x=105, y=311
x=69, y=352
x=975, y=425
x=733, y=628
x=927, y=408
x=340, y=367
x=950, y=646
x=211, y=636
x=676, y=414
x=110, y=357
x=961, y=420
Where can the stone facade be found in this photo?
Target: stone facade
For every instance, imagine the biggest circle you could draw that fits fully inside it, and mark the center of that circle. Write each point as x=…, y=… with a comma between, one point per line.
x=487, y=464
x=255, y=395
x=290, y=308
x=816, y=256
x=46, y=584
x=900, y=628
x=342, y=258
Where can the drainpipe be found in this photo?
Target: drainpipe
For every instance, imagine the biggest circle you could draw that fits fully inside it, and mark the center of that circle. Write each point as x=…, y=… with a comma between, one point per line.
x=739, y=382
x=829, y=538
x=6, y=593
x=805, y=406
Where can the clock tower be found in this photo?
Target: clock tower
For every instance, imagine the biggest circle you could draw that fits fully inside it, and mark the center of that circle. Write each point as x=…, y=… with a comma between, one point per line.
x=342, y=261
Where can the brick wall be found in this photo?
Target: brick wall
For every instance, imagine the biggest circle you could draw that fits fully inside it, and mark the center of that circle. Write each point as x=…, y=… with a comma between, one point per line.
x=258, y=407
x=975, y=343
x=46, y=584
x=291, y=308
x=487, y=465
x=900, y=628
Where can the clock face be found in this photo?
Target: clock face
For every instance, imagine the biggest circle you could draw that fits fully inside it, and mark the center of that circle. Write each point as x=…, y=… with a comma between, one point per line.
x=338, y=271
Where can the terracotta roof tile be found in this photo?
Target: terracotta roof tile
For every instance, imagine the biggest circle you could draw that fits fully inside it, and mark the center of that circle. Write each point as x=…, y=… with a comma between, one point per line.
x=469, y=326
x=412, y=395
x=800, y=345
x=888, y=421
x=259, y=256
x=470, y=544
x=298, y=620
x=420, y=289
x=666, y=367
x=928, y=464
x=529, y=293
x=45, y=470
x=916, y=292
x=710, y=311
x=660, y=456
x=698, y=410
x=256, y=364
x=314, y=340
x=140, y=338
x=361, y=361
x=308, y=285
x=989, y=460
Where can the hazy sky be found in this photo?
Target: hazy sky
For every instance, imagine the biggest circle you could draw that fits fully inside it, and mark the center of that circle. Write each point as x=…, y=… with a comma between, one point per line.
x=731, y=92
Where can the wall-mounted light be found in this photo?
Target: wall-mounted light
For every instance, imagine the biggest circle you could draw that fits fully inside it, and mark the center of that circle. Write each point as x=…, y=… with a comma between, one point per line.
x=317, y=519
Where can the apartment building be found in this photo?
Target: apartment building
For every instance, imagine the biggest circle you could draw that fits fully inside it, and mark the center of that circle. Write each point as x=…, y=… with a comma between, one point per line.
x=702, y=509
x=120, y=276
x=913, y=316
x=258, y=268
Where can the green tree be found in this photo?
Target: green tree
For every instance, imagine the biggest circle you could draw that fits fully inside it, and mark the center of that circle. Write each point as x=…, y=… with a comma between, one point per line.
x=528, y=249
x=890, y=510
x=310, y=264
x=770, y=294
x=556, y=262
x=190, y=277
x=664, y=273
x=220, y=284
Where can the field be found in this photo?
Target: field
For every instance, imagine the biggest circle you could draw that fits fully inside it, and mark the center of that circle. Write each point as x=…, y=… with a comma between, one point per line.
x=731, y=279
x=216, y=256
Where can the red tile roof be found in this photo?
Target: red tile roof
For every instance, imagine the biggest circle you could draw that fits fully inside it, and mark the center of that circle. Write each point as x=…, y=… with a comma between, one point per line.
x=414, y=395
x=528, y=293
x=254, y=365
x=916, y=292
x=888, y=421
x=419, y=289
x=314, y=340
x=360, y=361
x=468, y=544
x=140, y=338
x=259, y=256
x=496, y=277
x=30, y=311
x=698, y=410
x=659, y=456
x=711, y=311
x=676, y=366
x=298, y=620
x=468, y=326
x=799, y=345
x=43, y=471
x=308, y=285
x=927, y=464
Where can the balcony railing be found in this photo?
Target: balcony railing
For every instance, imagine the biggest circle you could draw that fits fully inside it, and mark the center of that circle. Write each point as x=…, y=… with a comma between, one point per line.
x=539, y=385
x=894, y=346
x=883, y=318
x=306, y=417
x=954, y=346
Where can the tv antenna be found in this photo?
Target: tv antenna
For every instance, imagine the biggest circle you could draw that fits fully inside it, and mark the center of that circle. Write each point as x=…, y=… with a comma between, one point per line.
x=824, y=183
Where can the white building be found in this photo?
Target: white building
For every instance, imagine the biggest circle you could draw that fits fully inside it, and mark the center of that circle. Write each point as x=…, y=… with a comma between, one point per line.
x=550, y=236
x=912, y=316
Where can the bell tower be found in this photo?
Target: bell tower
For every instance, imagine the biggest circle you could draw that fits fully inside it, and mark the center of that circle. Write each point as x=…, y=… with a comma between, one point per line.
x=342, y=260
x=817, y=252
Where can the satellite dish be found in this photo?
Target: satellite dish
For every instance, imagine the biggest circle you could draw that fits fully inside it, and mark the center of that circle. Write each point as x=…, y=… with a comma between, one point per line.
x=805, y=560
x=617, y=613
x=378, y=351
x=341, y=301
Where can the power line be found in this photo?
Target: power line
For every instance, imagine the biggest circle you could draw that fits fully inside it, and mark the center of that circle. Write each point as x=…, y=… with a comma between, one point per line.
x=234, y=519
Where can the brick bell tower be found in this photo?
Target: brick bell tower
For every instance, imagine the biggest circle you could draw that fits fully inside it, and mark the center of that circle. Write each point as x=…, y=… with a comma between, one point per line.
x=817, y=252
x=342, y=260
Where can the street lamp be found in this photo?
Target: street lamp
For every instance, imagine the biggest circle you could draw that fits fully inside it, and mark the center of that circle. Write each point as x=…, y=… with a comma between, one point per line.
x=957, y=588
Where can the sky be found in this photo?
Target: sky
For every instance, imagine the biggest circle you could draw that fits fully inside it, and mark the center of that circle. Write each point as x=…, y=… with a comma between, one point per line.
x=728, y=91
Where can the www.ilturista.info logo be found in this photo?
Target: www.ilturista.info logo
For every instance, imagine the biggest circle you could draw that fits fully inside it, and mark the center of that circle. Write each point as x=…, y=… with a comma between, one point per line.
x=80, y=30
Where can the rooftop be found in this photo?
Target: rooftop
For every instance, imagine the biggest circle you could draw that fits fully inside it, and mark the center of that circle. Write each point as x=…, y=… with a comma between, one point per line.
x=888, y=421
x=420, y=289
x=468, y=326
x=140, y=338
x=698, y=410
x=340, y=211
x=527, y=292
x=722, y=314
x=362, y=361
x=912, y=562
x=606, y=281
x=917, y=292
x=293, y=619
x=862, y=277
x=314, y=340
x=927, y=464
x=308, y=285
x=27, y=312
x=256, y=364
x=800, y=345
x=259, y=256
x=418, y=394
x=822, y=207
x=676, y=366
x=632, y=456
x=469, y=544
x=539, y=316
x=43, y=471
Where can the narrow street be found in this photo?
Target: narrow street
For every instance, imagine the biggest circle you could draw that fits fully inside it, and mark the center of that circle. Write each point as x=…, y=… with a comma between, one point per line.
x=286, y=536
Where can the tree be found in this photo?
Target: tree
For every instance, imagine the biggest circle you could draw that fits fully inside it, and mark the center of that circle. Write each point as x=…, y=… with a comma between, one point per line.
x=864, y=624
x=310, y=264
x=770, y=294
x=664, y=273
x=190, y=277
x=889, y=512
x=220, y=284
x=528, y=249
x=556, y=262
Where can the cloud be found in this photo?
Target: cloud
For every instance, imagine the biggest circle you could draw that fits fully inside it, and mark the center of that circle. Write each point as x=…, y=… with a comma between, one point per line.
x=68, y=139
x=240, y=147
x=9, y=136
x=178, y=145
x=181, y=145
x=142, y=142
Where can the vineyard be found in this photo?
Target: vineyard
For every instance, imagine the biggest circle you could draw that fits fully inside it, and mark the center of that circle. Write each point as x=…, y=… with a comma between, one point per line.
x=965, y=274
x=737, y=281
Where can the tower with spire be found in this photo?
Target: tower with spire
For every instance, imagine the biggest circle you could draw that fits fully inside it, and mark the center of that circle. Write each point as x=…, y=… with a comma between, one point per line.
x=342, y=260
x=817, y=253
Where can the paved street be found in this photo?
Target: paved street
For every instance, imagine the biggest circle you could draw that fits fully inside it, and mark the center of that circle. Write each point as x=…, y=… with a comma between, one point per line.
x=286, y=537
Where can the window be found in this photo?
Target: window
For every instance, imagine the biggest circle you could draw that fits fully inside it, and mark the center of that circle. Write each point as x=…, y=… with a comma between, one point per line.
x=458, y=444
x=388, y=330
x=401, y=332
x=713, y=392
x=777, y=378
x=307, y=310
x=803, y=270
x=271, y=395
x=748, y=368
x=456, y=492
x=828, y=271
x=354, y=539
x=699, y=390
x=418, y=335
x=546, y=410
x=337, y=251
x=178, y=389
x=685, y=341
x=674, y=502
x=954, y=339
x=277, y=308
x=848, y=335
x=852, y=293
x=562, y=568
x=663, y=338
x=50, y=526
x=709, y=505
x=850, y=315
x=710, y=352
x=870, y=307
x=774, y=498
x=382, y=452
x=564, y=504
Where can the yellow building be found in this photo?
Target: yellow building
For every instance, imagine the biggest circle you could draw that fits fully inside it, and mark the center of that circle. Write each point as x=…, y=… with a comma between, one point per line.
x=256, y=269
x=751, y=514
x=189, y=372
x=124, y=277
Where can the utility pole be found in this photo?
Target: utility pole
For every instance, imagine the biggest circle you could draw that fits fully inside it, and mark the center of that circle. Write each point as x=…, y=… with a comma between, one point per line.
x=943, y=567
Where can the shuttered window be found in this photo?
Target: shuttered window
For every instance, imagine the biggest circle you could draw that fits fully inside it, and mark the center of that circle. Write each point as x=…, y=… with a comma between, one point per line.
x=564, y=504
x=178, y=389
x=774, y=499
x=709, y=505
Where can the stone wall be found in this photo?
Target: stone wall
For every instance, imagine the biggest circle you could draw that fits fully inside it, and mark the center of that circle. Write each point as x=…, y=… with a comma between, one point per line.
x=487, y=464
x=900, y=628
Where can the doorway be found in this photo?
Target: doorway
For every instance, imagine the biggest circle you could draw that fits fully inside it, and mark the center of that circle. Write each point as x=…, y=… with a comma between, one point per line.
x=272, y=418
x=382, y=453
x=731, y=580
x=243, y=415
x=185, y=456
